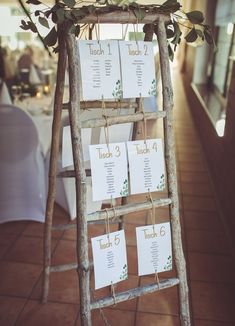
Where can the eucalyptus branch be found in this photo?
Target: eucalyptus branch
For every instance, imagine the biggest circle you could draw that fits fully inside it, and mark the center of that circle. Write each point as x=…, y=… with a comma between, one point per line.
x=29, y=17
x=181, y=24
x=68, y=13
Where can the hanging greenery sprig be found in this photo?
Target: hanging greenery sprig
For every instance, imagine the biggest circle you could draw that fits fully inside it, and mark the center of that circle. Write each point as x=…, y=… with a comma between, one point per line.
x=69, y=12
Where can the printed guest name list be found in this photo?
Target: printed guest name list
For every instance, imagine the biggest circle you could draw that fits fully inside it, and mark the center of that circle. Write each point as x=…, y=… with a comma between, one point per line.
x=100, y=69
x=137, y=69
x=146, y=165
x=108, y=171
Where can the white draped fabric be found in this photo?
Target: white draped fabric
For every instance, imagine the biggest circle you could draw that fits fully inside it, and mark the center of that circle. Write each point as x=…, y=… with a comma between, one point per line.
x=22, y=169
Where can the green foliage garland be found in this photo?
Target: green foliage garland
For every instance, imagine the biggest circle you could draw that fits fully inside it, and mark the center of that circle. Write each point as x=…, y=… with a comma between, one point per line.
x=67, y=11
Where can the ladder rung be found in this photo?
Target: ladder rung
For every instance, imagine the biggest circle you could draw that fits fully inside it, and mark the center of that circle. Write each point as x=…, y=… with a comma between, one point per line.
x=71, y=173
x=67, y=267
x=64, y=227
x=113, y=213
x=108, y=105
x=63, y=268
x=127, y=209
x=112, y=120
x=134, y=293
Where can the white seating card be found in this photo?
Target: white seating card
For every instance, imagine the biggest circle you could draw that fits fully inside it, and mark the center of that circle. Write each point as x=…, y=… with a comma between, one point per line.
x=109, y=171
x=138, y=70
x=100, y=69
x=154, y=248
x=110, y=259
x=146, y=165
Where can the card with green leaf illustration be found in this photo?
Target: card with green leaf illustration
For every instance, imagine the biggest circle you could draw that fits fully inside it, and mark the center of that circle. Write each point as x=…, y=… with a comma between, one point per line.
x=146, y=165
x=154, y=248
x=109, y=171
x=100, y=69
x=110, y=258
x=137, y=69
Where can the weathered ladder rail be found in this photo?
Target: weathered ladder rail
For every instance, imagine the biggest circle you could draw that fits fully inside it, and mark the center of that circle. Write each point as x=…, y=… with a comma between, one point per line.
x=68, y=48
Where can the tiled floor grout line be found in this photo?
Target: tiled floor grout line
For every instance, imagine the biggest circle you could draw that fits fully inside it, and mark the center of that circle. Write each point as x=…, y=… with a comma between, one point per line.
x=187, y=268
x=13, y=244
x=36, y=283
x=184, y=231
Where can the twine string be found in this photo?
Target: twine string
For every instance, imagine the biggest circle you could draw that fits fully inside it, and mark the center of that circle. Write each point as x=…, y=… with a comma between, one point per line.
x=113, y=293
x=97, y=29
x=107, y=226
x=106, y=127
x=144, y=122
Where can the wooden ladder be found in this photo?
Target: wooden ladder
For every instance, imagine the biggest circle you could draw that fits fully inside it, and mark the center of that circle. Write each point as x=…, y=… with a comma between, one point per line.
x=67, y=48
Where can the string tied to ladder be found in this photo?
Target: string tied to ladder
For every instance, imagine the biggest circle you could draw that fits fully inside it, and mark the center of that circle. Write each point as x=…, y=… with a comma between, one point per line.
x=113, y=293
x=153, y=214
x=97, y=29
x=106, y=127
x=144, y=121
x=126, y=29
x=136, y=32
x=113, y=209
x=153, y=221
x=107, y=226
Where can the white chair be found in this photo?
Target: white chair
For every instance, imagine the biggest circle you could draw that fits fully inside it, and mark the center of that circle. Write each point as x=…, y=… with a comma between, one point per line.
x=22, y=169
x=65, y=187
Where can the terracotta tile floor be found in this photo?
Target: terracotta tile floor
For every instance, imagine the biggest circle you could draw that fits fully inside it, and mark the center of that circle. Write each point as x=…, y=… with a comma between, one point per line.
x=209, y=263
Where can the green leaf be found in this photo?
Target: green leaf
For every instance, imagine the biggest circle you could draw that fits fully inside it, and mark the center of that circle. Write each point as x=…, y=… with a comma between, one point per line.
x=77, y=30
x=60, y=15
x=171, y=6
x=169, y=3
x=68, y=14
x=191, y=36
x=51, y=37
x=33, y=2
x=54, y=17
x=208, y=36
x=32, y=27
x=72, y=29
x=24, y=26
x=199, y=33
x=47, y=13
x=79, y=13
x=139, y=13
x=91, y=9
x=56, y=49
x=170, y=52
x=43, y=21
x=177, y=37
x=170, y=32
x=195, y=17
x=69, y=3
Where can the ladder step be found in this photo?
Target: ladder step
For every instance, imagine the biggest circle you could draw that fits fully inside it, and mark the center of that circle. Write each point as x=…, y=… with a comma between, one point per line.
x=63, y=268
x=134, y=293
x=71, y=173
x=108, y=105
x=117, y=211
x=127, y=209
x=67, y=267
x=64, y=227
x=112, y=120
